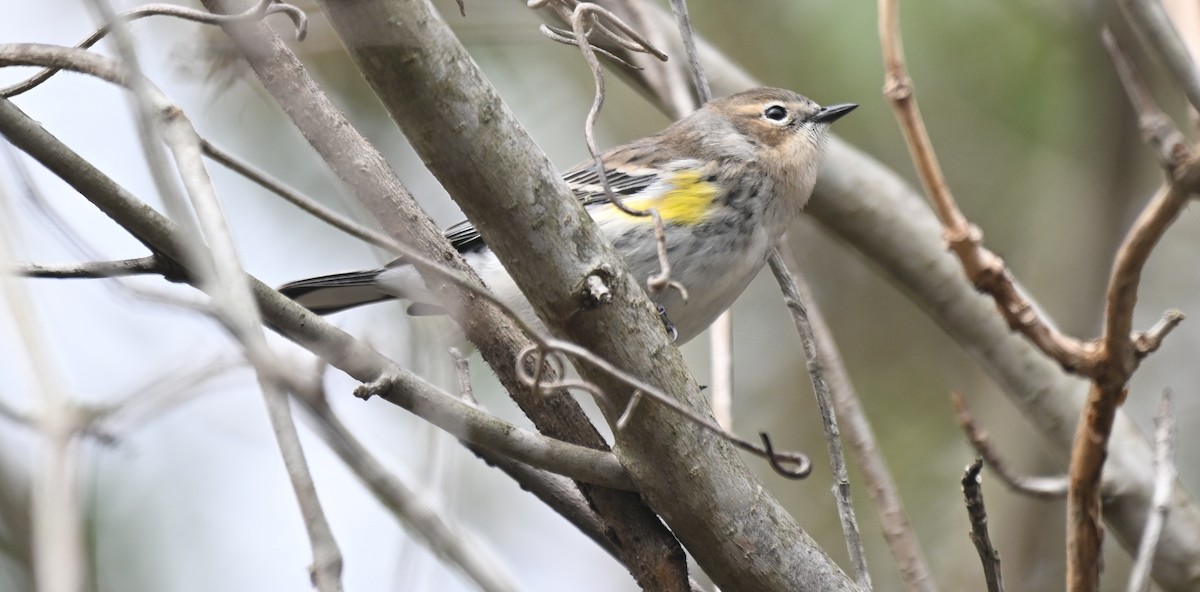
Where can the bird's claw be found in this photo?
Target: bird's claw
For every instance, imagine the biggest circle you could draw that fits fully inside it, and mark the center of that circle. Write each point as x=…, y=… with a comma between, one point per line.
x=667, y=324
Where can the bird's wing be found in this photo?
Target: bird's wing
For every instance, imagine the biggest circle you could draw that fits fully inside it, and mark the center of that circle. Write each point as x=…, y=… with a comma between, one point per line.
x=584, y=182
x=623, y=181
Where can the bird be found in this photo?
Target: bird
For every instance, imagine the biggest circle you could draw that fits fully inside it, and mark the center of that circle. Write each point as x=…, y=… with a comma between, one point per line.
x=727, y=181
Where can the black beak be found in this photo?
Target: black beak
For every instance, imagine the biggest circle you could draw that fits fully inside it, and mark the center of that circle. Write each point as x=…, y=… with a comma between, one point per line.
x=832, y=113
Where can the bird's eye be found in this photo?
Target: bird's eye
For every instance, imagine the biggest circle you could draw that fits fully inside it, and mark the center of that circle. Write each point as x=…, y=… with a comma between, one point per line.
x=775, y=113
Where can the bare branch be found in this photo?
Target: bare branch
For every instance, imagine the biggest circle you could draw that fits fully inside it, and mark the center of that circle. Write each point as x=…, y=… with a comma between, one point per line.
x=448, y=540
x=837, y=461
x=855, y=196
x=92, y=270
x=568, y=38
x=1147, y=230
x=259, y=11
x=647, y=547
x=59, y=555
x=988, y=555
x=161, y=236
x=1149, y=341
x=521, y=205
x=721, y=335
x=548, y=354
x=1040, y=487
x=300, y=200
x=222, y=277
x=1108, y=392
x=703, y=91
x=1156, y=29
x=897, y=530
x=556, y=491
x=1164, y=487
x=1157, y=128
x=985, y=270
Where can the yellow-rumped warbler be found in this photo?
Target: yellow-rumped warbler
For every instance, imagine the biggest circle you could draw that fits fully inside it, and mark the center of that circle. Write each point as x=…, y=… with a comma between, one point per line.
x=727, y=181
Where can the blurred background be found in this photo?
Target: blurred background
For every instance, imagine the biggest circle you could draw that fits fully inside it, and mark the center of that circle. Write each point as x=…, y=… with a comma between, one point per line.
x=1036, y=138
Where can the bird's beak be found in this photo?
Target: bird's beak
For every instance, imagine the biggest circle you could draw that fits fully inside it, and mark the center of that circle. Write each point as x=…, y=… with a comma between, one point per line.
x=832, y=113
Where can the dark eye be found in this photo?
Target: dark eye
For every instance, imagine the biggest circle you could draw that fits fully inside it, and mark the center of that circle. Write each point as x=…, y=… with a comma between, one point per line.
x=775, y=113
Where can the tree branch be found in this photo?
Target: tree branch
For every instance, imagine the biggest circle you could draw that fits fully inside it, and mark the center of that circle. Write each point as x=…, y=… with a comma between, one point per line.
x=833, y=440
x=520, y=204
x=856, y=197
x=1164, y=488
x=92, y=270
x=448, y=540
x=973, y=492
x=342, y=351
x=647, y=548
x=1040, y=487
x=897, y=530
x=59, y=549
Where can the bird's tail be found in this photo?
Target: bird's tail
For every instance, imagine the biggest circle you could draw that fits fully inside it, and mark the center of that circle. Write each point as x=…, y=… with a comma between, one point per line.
x=332, y=293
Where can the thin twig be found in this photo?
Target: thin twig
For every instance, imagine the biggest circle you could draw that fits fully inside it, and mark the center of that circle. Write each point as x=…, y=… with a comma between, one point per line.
x=59, y=542
x=298, y=199
x=897, y=530
x=1155, y=27
x=988, y=555
x=158, y=119
x=591, y=466
x=983, y=268
x=568, y=38
x=462, y=369
x=583, y=19
x=448, y=540
x=1164, y=487
x=1147, y=230
x=548, y=355
x=1148, y=342
x=721, y=331
x=92, y=270
x=1157, y=128
x=261, y=10
x=837, y=461
x=721, y=335
x=470, y=424
x=670, y=84
x=1039, y=487
x=1119, y=350
x=703, y=91
x=556, y=491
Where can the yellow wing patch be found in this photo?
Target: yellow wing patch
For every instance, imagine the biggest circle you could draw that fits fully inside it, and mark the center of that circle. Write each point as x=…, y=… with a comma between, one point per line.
x=688, y=200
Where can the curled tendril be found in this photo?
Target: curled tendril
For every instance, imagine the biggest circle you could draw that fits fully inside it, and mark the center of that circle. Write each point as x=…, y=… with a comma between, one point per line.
x=567, y=38
x=625, y=415
x=662, y=280
x=585, y=20
x=259, y=11
x=777, y=460
x=536, y=361
x=549, y=359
